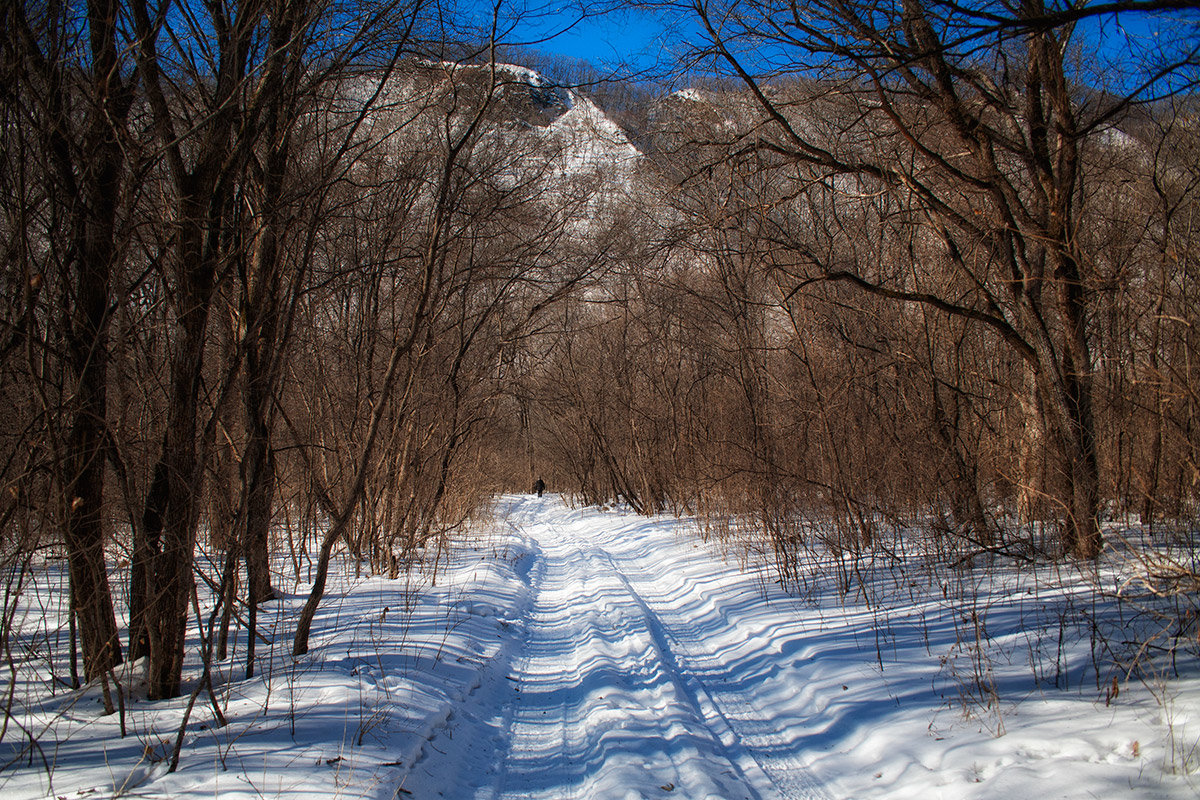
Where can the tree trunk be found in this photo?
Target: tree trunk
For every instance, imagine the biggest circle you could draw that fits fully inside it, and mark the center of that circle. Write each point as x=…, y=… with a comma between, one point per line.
x=84, y=490
x=79, y=121
x=1031, y=451
x=1084, y=512
x=258, y=458
x=171, y=567
x=260, y=316
x=259, y=470
x=264, y=336
x=147, y=539
x=101, y=168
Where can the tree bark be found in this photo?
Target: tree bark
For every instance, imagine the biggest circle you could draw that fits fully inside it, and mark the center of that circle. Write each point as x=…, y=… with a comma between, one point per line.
x=90, y=166
x=171, y=566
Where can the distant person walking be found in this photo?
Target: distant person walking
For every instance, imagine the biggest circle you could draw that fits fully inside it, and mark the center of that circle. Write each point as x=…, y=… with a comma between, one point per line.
x=539, y=486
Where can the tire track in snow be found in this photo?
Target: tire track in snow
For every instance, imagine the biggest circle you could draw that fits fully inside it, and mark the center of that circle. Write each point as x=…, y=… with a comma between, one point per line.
x=601, y=707
x=702, y=699
x=737, y=711
x=470, y=729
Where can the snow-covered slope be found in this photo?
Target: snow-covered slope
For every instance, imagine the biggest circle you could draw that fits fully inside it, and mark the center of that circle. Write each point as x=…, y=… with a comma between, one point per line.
x=522, y=102
x=590, y=162
x=557, y=141
x=592, y=141
x=595, y=654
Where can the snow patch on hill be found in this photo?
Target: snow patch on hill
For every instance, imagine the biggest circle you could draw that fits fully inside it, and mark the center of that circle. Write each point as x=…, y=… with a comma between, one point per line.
x=691, y=95
x=591, y=141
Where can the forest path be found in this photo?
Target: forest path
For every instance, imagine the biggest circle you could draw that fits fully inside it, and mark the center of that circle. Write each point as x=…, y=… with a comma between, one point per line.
x=630, y=679
x=590, y=654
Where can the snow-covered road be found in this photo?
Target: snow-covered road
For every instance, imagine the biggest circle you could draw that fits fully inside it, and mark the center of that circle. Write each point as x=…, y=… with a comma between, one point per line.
x=636, y=662
x=609, y=695
x=619, y=682
x=584, y=654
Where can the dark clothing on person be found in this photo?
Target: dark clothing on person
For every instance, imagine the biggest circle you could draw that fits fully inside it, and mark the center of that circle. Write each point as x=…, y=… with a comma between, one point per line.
x=539, y=486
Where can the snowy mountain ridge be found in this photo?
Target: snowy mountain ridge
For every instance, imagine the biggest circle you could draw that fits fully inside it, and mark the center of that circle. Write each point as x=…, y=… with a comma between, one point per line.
x=589, y=138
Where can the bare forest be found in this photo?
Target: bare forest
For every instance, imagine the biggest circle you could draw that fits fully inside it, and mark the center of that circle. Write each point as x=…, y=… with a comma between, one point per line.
x=288, y=281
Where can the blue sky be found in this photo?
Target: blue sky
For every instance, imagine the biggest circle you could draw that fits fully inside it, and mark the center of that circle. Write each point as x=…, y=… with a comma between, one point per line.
x=629, y=40
x=624, y=38
x=617, y=37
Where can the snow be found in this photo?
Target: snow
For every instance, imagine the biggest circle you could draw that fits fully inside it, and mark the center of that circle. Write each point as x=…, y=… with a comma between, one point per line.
x=1114, y=137
x=587, y=140
x=519, y=74
x=590, y=142
x=587, y=653
x=690, y=94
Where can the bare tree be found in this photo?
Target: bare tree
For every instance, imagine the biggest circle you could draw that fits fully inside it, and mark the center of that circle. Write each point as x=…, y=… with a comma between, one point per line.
x=224, y=121
x=983, y=128
x=435, y=259
x=70, y=92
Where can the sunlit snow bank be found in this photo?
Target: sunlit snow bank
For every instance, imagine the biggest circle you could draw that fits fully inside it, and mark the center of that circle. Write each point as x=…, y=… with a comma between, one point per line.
x=391, y=662
x=581, y=653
